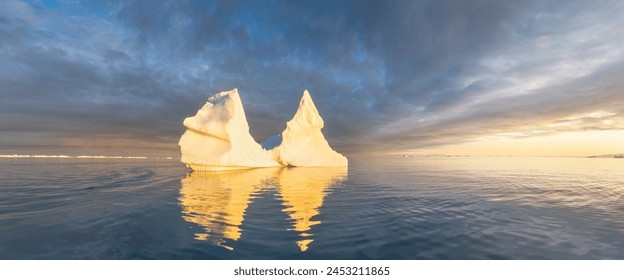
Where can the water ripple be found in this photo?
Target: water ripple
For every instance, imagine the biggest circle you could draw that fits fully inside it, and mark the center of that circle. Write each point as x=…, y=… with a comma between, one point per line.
x=414, y=208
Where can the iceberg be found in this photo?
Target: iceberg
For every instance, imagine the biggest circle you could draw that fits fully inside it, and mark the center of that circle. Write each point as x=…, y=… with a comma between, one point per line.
x=217, y=138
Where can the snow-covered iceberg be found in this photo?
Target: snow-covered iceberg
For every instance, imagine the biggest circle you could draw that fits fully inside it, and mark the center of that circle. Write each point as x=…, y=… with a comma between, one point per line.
x=218, y=138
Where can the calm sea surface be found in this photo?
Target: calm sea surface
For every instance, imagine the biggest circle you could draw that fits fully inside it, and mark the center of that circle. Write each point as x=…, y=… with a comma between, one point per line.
x=391, y=208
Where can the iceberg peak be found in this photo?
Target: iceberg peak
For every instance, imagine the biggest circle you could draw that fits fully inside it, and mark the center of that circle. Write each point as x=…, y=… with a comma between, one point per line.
x=306, y=115
x=303, y=143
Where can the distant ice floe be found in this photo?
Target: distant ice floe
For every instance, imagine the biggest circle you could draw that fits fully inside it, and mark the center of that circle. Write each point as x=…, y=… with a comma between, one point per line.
x=217, y=138
x=66, y=156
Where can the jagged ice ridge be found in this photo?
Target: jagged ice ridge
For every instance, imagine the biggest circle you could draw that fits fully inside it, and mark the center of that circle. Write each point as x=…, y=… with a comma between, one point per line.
x=217, y=138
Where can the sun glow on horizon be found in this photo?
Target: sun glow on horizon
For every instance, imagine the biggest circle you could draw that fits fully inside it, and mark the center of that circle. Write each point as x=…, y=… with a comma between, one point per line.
x=578, y=143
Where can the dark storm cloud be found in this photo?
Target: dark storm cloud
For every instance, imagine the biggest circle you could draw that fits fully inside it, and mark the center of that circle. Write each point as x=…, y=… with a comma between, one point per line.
x=384, y=74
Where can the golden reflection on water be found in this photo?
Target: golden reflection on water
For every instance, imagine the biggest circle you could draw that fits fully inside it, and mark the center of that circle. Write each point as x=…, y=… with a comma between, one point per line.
x=217, y=201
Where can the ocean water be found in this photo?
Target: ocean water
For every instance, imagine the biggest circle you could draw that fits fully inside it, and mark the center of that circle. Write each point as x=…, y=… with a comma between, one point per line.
x=384, y=208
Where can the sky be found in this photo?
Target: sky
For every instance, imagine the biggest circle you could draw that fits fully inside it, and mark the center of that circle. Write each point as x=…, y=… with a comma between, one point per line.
x=454, y=77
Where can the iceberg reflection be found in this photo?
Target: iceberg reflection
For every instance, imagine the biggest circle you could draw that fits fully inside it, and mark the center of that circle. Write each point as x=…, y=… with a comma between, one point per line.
x=217, y=201
x=303, y=191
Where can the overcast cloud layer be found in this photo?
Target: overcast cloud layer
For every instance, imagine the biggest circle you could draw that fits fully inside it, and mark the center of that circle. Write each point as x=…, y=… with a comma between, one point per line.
x=385, y=75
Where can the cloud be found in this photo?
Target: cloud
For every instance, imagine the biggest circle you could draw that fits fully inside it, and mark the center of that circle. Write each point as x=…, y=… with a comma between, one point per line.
x=384, y=75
